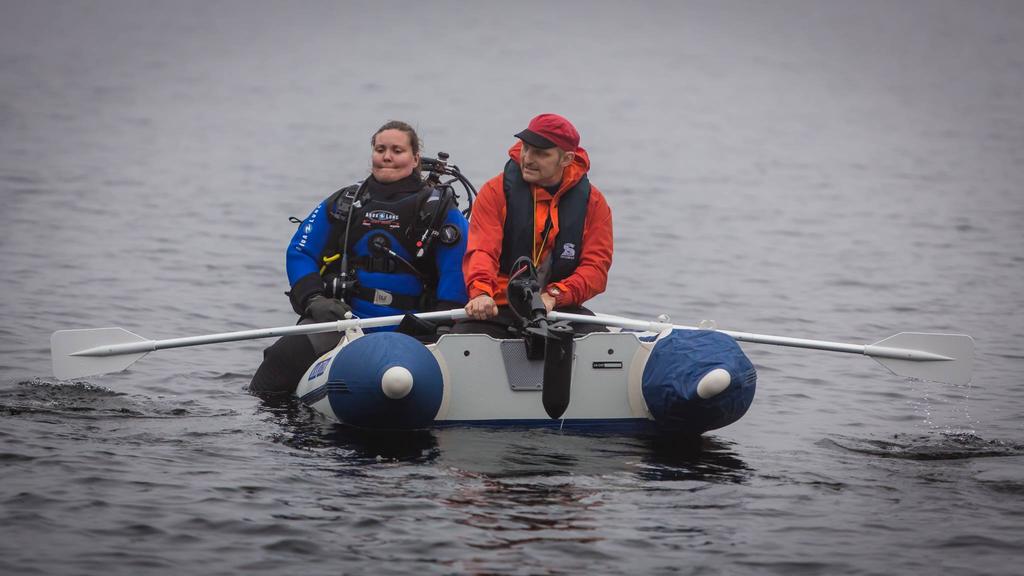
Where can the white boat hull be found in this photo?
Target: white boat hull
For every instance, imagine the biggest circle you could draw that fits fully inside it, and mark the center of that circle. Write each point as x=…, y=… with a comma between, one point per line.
x=470, y=379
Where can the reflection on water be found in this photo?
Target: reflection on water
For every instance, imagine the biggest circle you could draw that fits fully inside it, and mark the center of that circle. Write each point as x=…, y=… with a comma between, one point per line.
x=302, y=428
x=706, y=459
x=512, y=453
x=517, y=513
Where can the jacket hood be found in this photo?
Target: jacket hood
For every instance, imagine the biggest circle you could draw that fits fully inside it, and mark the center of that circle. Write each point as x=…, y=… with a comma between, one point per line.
x=573, y=172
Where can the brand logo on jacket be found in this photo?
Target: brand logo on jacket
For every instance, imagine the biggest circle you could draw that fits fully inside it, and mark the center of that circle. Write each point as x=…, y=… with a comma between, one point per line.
x=382, y=297
x=568, y=251
x=308, y=228
x=381, y=218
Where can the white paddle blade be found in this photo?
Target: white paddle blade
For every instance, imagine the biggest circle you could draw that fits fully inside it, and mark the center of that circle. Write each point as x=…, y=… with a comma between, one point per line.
x=958, y=348
x=64, y=343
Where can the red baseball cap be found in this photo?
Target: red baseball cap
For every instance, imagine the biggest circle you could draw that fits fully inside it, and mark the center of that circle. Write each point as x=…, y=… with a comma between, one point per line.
x=550, y=130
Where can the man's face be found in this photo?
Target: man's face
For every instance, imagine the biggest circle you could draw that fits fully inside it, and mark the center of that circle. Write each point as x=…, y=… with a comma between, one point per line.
x=543, y=166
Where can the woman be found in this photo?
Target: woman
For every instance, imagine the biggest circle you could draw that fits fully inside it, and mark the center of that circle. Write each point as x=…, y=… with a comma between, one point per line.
x=360, y=250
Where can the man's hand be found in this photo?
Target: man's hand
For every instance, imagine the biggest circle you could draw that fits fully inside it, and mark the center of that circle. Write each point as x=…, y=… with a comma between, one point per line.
x=548, y=300
x=481, y=308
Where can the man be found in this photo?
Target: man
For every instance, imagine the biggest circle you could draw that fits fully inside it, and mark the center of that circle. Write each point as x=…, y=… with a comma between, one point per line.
x=542, y=206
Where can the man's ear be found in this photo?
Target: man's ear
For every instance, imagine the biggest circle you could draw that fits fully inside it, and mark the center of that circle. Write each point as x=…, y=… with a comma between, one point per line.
x=567, y=159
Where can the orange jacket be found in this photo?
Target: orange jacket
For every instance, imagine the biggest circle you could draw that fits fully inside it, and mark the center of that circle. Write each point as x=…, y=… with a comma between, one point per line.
x=480, y=265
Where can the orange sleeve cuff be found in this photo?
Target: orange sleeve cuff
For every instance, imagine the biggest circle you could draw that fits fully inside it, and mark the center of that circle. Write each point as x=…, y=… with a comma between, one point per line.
x=564, y=296
x=479, y=287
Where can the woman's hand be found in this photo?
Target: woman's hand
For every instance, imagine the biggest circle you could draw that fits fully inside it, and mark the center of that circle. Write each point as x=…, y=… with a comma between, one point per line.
x=323, y=309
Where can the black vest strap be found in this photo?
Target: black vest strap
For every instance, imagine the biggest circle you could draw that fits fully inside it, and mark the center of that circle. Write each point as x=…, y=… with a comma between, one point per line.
x=340, y=202
x=519, y=224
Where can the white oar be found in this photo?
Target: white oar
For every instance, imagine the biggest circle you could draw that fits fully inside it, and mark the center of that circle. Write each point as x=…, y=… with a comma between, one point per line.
x=78, y=353
x=938, y=357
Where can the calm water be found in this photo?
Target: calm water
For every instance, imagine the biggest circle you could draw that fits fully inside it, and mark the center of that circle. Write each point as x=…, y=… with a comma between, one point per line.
x=831, y=170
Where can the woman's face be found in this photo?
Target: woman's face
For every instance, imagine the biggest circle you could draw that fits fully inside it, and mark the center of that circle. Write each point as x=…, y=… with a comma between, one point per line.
x=393, y=158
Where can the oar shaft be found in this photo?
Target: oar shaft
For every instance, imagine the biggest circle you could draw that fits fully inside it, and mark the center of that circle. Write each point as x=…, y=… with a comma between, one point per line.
x=868, y=350
x=865, y=349
x=796, y=342
x=338, y=326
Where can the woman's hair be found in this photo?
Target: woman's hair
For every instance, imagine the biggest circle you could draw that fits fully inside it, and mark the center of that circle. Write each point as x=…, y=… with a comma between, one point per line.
x=414, y=139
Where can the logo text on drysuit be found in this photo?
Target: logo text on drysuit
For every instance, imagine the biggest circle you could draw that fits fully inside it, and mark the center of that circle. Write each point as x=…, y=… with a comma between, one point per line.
x=308, y=227
x=381, y=218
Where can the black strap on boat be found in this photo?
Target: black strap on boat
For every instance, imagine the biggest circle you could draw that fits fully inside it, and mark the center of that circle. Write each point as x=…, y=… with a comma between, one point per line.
x=551, y=341
x=558, y=352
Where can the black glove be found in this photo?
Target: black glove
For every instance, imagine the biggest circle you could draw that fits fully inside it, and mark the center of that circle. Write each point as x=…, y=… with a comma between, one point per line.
x=303, y=291
x=324, y=309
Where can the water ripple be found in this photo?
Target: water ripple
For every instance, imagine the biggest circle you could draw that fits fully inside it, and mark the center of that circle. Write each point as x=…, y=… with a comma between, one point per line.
x=945, y=446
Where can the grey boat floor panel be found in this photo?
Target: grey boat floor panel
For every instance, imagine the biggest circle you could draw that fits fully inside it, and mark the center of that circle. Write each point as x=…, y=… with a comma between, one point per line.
x=492, y=379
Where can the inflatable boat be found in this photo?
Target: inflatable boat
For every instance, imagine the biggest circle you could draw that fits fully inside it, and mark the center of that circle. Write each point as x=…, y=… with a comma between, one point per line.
x=676, y=381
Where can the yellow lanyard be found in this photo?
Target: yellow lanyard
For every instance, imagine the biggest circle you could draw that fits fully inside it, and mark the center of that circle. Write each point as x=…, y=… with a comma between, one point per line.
x=539, y=250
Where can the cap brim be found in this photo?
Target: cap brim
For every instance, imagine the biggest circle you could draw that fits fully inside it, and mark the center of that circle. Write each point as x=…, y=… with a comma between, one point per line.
x=534, y=139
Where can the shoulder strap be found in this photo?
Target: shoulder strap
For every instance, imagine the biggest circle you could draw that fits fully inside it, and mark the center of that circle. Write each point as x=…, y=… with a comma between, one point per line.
x=435, y=203
x=517, y=239
x=339, y=206
x=572, y=215
x=339, y=203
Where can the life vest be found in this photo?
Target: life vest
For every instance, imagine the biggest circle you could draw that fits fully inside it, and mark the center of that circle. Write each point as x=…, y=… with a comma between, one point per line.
x=520, y=228
x=394, y=233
